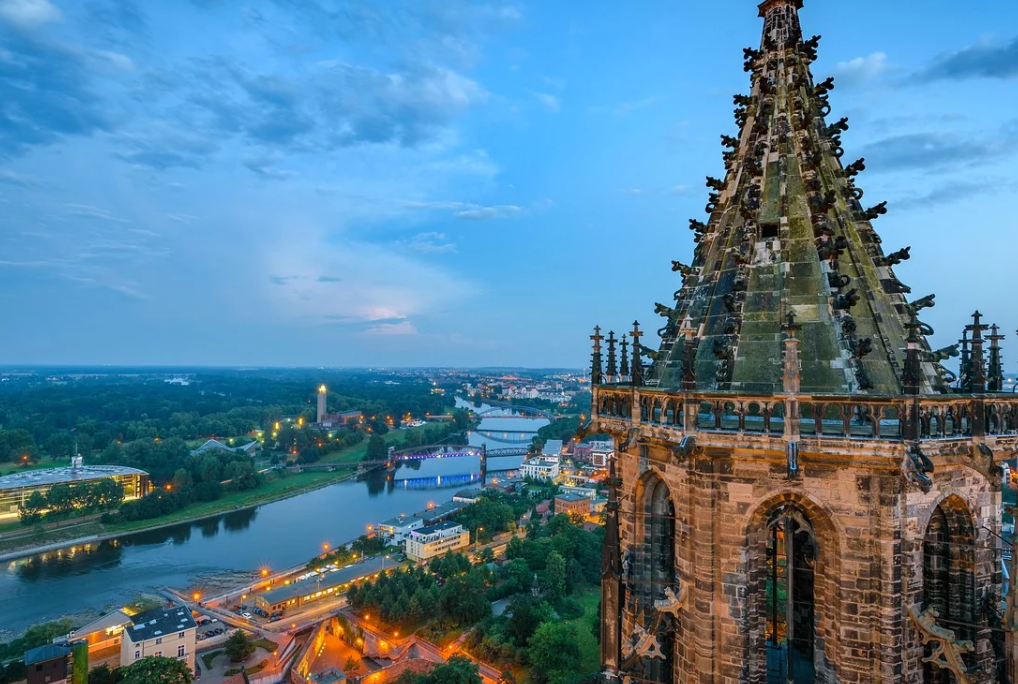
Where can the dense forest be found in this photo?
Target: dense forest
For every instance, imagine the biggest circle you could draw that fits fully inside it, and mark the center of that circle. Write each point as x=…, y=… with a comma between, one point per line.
x=42, y=417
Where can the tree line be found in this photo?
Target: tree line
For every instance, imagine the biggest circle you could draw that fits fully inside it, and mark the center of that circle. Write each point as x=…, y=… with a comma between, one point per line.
x=65, y=500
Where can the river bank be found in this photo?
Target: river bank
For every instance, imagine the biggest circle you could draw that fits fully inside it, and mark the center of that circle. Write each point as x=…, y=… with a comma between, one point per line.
x=107, y=532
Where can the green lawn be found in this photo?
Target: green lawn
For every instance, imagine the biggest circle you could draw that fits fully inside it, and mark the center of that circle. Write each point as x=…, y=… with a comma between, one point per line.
x=11, y=468
x=591, y=650
x=207, y=658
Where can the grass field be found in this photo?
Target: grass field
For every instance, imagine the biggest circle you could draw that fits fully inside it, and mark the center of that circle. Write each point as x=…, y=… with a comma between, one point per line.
x=589, y=599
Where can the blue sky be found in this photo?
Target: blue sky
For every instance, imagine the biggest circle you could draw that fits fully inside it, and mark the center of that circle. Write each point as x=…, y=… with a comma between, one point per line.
x=313, y=182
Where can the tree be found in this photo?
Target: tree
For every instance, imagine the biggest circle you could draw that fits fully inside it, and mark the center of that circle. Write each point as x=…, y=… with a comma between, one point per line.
x=553, y=651
x=61, y=498
x=528, y=613
x=553, y=582
x=351, y=664
x=239, y=646
x=377, y=450
x=31, y=512
x=157, y=670
x=103, y=675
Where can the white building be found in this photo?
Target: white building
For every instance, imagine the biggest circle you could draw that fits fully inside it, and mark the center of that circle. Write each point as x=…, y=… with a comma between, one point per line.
x=167, y=633
x=552, y=448
x=540, y=468
x=600, y=452
x=436, y=540
x=396, y=530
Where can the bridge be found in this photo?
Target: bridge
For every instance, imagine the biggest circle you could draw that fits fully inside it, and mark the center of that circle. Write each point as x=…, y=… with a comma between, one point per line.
x=444, y=451
x=525, y=411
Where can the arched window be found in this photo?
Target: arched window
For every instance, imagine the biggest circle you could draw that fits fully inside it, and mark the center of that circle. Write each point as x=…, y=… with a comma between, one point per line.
x=949, y=578
x=656, y=574
x=789, y=599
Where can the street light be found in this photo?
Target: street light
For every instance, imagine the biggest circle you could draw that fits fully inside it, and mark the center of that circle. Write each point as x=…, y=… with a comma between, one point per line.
x=477, y=535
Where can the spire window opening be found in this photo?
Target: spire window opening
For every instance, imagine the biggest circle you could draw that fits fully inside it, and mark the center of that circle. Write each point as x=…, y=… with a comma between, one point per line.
x=789, y=599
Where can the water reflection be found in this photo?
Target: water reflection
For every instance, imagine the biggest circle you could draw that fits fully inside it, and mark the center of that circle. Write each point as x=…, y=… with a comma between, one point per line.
x=69, y=562
x=238, y=521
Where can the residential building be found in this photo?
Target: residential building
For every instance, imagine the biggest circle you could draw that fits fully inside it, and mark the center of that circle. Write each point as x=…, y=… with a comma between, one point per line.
x=316, y=586
x=467, y=496
x=573, y=504
x=17, y=488
x=395, y=530
x=435, y=540
x=540, y=468
x=589, y=492
x=169, y=633
x=48, y=664
x=104, y=632
x=552, y=448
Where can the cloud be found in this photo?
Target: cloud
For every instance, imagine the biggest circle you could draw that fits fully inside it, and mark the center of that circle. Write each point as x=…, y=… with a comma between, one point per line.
x=282, y=280
x=489, y=213
x=260, y=167
x=550, y=102
x=329, y=279
x=164, y=148
x=401, y=328
x=87, y=211
x=28, y=13
x=976, y=61
x=952, y=193
x=938, y=151
x=861, y=69
x=18, y=180
x=60, y=101
x=430, y=243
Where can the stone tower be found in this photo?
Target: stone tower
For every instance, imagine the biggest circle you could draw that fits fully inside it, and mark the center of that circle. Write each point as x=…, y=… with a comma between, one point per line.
x=799, y=494
x=323, y=397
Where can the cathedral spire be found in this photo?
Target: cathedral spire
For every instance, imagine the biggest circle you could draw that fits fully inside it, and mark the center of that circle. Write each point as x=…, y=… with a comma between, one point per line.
x=786, y=232
x=596, y=373
x=996, y=372
x=613, y=366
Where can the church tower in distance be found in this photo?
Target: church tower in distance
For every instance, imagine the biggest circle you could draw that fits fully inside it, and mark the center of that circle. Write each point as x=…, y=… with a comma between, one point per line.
x=801, y=492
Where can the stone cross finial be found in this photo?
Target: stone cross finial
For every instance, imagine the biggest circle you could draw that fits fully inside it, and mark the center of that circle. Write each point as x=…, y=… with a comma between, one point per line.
x=996, y=371
x=977, y=365
x=624, y=370
x=637, y=364
x=613, y=368
x=596, y=373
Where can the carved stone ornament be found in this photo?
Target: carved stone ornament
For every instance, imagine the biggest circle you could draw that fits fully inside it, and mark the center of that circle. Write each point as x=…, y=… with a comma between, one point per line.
x=947, y=650
x=673, y=602
x=643, y=645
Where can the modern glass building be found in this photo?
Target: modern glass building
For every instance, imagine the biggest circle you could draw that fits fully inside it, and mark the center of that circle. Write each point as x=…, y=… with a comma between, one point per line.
x=15, y=489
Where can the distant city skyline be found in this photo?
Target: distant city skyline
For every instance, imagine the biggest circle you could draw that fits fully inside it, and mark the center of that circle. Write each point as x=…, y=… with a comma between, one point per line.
x=449, y=183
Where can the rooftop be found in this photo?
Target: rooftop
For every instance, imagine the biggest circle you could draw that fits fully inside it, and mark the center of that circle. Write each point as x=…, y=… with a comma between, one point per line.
x=327, y=580
x=158, y=622
x=571, y=497
x=41, y=654
x=52, y=476
x=440, y=527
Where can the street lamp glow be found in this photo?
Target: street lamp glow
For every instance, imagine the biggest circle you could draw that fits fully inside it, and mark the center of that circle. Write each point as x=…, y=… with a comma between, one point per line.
x=265, y=572
x=196, y=596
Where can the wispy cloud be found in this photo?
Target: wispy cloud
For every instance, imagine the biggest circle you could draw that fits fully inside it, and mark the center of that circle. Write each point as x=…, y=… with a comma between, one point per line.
x=329, y=279
x=951, y=193
x=261, y=167
x=861, y=69
x=28, y=13
x=87, y=211
x=401, y=328
x=489, y=213
x=549, y=101
x=939, y=151
x=983, y=60
x=18, y=180
x=430, y=243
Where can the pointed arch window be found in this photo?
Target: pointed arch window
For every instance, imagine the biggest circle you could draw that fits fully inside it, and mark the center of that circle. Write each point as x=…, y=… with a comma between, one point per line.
x=949, y=585
x=656, y=568
x=789, y=600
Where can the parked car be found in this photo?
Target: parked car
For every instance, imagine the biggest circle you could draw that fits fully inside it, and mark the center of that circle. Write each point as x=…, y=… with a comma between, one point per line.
x=247, y=615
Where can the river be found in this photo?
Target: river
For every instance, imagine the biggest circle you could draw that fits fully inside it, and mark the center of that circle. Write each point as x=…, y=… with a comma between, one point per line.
x=274, y=535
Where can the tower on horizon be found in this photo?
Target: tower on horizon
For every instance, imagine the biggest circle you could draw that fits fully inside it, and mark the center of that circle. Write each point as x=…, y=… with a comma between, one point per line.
x=800, y=495
x=323, y=396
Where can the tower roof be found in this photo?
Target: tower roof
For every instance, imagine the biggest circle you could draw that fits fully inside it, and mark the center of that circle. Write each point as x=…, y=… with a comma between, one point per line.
x=786, y=234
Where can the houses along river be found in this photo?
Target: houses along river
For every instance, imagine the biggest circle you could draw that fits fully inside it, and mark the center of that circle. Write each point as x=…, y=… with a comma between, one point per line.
x=275, y=535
